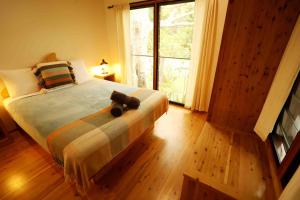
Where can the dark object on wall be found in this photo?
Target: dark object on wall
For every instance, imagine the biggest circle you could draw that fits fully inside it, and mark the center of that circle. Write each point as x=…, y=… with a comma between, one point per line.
x=254, y=39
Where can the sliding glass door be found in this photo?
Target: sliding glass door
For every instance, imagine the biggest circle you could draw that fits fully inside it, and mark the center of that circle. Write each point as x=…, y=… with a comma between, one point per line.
x=175, y=41
x=141, y=30
x=161, y=38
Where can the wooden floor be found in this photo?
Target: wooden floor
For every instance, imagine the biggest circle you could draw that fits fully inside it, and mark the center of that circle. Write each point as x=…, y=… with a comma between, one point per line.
x=181, y=140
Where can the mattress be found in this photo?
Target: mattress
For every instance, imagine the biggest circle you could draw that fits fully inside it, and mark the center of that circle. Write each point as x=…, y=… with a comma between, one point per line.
x=74, y=124
x=40, y=114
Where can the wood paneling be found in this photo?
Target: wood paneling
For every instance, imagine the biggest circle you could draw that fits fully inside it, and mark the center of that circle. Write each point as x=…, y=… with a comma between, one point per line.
x=153, y=169
x=273, y=168
x=120, y=157
x=194, y=189
x=231, y=163
x=255, y=35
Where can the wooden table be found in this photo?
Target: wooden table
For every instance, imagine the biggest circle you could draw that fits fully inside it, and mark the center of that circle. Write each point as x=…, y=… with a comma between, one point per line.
x=3, y=133
x=108, y=76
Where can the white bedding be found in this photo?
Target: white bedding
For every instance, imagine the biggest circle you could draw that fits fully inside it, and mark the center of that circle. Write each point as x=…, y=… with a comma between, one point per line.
x=19, y=119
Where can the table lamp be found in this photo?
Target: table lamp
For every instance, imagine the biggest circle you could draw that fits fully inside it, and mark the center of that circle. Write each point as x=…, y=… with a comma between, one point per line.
x=103, y=66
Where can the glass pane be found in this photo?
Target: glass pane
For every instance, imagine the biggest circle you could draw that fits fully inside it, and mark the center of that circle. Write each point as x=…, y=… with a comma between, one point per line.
x=173, y=77
x=294, y=109
x=289, y=127
x=280, y=149
x=141, y=30
x=175, y=41
x=280, y=134
x=143, y=69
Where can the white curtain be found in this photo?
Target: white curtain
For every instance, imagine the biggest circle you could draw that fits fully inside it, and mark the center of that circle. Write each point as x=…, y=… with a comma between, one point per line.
x=122, y=15
x=209, y=22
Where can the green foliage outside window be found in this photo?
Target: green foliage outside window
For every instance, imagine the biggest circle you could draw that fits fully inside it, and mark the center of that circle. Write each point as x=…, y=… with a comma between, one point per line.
x=175, y=42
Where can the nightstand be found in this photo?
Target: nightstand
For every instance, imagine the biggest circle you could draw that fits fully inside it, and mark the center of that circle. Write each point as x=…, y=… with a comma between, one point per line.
x=3, y=133
x=108, y=76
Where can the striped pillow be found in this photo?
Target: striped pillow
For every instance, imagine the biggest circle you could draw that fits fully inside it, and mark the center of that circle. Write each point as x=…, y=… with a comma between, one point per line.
x=54, y=74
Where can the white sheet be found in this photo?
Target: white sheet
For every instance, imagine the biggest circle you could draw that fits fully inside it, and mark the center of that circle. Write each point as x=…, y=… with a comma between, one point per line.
x=28, y=128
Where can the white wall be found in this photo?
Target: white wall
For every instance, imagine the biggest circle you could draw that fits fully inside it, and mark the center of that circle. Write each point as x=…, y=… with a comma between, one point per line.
x=30, y=29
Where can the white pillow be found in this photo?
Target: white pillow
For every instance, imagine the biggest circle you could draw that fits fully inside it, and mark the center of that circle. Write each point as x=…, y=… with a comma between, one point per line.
x=19, y=81
x=80, y=71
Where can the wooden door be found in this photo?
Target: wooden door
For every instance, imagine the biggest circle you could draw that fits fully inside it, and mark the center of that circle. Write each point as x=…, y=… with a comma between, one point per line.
x=255, y=35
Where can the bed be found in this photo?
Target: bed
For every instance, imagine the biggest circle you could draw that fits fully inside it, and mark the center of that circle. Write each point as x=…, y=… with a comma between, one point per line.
x=74, y=124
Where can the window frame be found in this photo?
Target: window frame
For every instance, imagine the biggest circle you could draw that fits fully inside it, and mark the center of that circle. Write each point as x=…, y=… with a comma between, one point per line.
x=156, y=30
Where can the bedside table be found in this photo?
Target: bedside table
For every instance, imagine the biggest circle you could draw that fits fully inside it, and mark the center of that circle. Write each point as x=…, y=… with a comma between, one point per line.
x=3, y=133
x=108, y=76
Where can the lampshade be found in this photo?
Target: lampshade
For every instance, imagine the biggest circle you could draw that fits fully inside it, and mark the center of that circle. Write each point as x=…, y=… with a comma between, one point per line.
x=104, y=66
x=96, y=70
x=101, y=69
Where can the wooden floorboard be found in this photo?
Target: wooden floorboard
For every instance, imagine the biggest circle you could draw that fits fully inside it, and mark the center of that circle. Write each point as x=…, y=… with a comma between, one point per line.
x=181, y=141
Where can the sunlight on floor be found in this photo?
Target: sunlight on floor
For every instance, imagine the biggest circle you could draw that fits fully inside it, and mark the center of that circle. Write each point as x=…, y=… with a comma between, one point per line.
x=15, y=182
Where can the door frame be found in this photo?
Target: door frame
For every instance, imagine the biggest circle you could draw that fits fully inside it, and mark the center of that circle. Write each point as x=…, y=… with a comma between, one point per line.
x=155, y=4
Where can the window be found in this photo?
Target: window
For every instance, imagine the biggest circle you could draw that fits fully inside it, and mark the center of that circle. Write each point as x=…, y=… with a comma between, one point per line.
x=141, y=30
x=161, y=38
x=285, y=136
x=288, y=124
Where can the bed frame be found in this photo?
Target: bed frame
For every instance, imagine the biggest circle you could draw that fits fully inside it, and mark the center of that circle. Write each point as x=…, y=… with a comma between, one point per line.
x=115, y=161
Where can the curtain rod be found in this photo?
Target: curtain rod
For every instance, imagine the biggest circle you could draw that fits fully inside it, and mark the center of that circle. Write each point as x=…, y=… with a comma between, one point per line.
x=110, y=7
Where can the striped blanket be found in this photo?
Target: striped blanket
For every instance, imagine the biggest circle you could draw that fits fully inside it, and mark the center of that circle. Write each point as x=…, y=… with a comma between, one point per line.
x=86, y=145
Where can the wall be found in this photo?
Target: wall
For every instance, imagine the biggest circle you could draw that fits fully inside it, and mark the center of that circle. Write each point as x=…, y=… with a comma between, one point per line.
x=32, y=28
x=281, y=86
x=254, y=38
